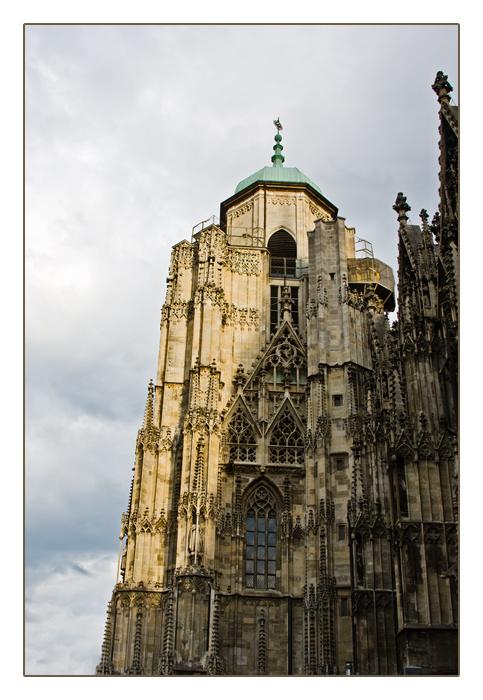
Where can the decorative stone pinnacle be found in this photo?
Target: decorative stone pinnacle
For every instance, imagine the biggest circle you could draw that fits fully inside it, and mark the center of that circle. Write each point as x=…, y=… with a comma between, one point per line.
x=441, y=87
x=434, y=228
x=401, y=207
x=148, y=414
x=423, y=214
x=240, y=378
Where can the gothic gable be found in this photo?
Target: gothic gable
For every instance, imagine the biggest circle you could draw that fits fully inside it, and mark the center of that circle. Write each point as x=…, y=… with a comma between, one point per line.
x=404, y=446
x=282, y=358
x=240, y=433
x=286, y=436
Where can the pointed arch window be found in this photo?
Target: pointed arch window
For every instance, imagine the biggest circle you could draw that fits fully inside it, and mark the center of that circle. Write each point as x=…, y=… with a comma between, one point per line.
x=261, y=541
x=241, y=440
x=283, y=254
x=286, y=442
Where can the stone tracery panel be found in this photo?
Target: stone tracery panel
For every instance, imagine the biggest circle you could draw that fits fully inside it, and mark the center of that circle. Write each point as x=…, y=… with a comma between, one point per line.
x=286, y=441
x=240, y=438
x=243, y=262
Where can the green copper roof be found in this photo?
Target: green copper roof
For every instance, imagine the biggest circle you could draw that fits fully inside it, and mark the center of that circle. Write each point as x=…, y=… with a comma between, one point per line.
x=276, y=173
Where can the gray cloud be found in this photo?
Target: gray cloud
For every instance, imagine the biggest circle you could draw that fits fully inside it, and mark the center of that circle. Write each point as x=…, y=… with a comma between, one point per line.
x=81, y=570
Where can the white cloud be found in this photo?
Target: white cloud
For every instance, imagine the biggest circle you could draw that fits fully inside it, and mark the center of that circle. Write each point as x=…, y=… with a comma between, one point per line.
x=63, y=614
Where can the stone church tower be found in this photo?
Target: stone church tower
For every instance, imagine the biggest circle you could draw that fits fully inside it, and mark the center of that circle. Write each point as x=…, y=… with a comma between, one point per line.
x=293, y=508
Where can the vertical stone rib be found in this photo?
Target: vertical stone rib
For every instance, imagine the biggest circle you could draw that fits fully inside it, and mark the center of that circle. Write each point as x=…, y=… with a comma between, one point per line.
x=262, y=645
x=215, y=662
x=166, y=659
x=136, y=668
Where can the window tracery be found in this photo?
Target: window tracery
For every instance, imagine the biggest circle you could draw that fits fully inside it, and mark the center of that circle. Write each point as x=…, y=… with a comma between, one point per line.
x=261, y=541
x=286, y=442
x=285, y=365
x=240, y=439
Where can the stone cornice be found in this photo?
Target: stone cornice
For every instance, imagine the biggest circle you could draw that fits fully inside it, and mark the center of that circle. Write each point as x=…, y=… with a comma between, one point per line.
x=238, y=199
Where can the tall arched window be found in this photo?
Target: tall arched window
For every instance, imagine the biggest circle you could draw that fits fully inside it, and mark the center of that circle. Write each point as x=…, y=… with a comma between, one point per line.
x=283, y=254
x=261, y=541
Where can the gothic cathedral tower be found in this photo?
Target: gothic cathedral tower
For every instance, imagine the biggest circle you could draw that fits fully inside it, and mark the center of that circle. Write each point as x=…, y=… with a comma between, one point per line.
x=260, y=534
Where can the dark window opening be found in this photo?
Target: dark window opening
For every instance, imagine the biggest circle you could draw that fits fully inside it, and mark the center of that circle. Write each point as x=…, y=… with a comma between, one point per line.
x=337, y=400
x=261, y=541
x=283, y=255
x=341, y=533
x=344, y=607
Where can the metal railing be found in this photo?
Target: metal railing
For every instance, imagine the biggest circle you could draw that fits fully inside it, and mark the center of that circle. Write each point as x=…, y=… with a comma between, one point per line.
x=370, y=270
x=212, y=221
x=288, y=267
x=282, y=267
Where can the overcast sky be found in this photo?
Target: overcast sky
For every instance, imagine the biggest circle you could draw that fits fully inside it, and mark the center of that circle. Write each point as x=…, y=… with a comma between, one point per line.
x=134, y=134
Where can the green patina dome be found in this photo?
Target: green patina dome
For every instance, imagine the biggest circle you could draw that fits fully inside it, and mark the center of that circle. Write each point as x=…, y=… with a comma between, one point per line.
x=276, y=172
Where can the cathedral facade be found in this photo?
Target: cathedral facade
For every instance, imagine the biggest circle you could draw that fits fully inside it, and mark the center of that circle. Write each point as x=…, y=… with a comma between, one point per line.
x=293, y=509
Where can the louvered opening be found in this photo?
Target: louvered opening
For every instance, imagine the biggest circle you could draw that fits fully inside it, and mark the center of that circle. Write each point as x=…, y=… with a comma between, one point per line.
x=283, y=253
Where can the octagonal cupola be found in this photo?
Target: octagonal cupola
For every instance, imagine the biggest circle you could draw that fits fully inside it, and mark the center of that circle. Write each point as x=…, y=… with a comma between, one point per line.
x=274, y=198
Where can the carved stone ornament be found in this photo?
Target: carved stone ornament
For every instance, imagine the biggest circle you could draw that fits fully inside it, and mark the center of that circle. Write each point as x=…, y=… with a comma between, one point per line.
x=318, y=213
x=242, y=317
x=401, y=207
x=441, y=86
x=282, y=200
x=362, y=599
x=409, y=533
x=183, y=256
x=243, y=209
x=433, y=532
x=243, y=262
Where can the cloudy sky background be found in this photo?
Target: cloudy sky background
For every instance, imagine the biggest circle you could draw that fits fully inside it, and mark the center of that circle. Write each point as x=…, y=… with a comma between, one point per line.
x=134, y=134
